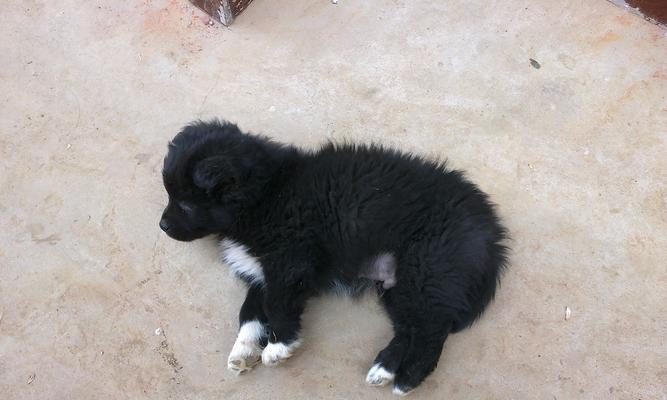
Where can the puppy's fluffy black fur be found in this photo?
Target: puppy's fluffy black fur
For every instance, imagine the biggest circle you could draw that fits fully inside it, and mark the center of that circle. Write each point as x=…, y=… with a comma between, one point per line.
x=321, y=219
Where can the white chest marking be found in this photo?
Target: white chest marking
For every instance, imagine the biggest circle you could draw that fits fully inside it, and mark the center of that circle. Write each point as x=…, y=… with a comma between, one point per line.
x=242, y=263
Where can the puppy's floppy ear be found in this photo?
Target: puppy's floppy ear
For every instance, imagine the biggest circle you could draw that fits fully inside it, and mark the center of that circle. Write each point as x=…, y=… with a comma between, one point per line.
x=213, y=172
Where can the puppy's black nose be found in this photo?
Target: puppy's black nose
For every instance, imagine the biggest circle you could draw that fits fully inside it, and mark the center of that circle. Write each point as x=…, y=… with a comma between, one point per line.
x=164, y=224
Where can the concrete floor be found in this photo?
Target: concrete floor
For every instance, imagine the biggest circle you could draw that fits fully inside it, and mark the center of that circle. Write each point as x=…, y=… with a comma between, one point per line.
x=96, y=303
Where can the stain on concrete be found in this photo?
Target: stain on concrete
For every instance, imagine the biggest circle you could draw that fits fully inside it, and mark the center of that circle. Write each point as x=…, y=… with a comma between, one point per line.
x=168, y=356
x=605, y=39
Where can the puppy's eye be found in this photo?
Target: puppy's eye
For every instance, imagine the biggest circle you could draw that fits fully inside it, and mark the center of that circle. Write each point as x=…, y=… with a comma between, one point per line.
x=185, y=206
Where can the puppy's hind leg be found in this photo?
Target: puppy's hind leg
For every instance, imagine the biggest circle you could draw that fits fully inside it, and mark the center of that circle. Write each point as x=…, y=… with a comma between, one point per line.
x=420, y=327
x=252, y=336
x=389, y=359
x=422, y=357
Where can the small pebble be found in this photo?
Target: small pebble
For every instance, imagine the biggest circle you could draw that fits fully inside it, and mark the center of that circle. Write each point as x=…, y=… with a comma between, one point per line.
x=158, y=332
x=535, y=64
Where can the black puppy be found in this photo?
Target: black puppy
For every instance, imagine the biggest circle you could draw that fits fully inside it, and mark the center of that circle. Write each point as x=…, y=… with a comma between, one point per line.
x=295, y=224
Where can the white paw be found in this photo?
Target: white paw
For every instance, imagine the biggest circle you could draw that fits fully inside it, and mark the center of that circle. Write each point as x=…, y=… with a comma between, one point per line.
x=247, y=350
x=244, y=356
x=275, y=353
x=378, y=376
x=400, y=391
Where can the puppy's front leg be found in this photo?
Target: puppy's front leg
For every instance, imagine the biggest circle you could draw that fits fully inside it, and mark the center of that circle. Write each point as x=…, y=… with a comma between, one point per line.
x=247, y=350
x=283, y=304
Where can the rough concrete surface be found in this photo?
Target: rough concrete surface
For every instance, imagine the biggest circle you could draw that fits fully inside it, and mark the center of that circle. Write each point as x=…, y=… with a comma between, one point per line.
x=96, y=303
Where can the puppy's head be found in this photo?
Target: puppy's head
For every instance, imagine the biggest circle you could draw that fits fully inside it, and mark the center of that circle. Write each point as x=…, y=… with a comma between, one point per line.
x=211, y=172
